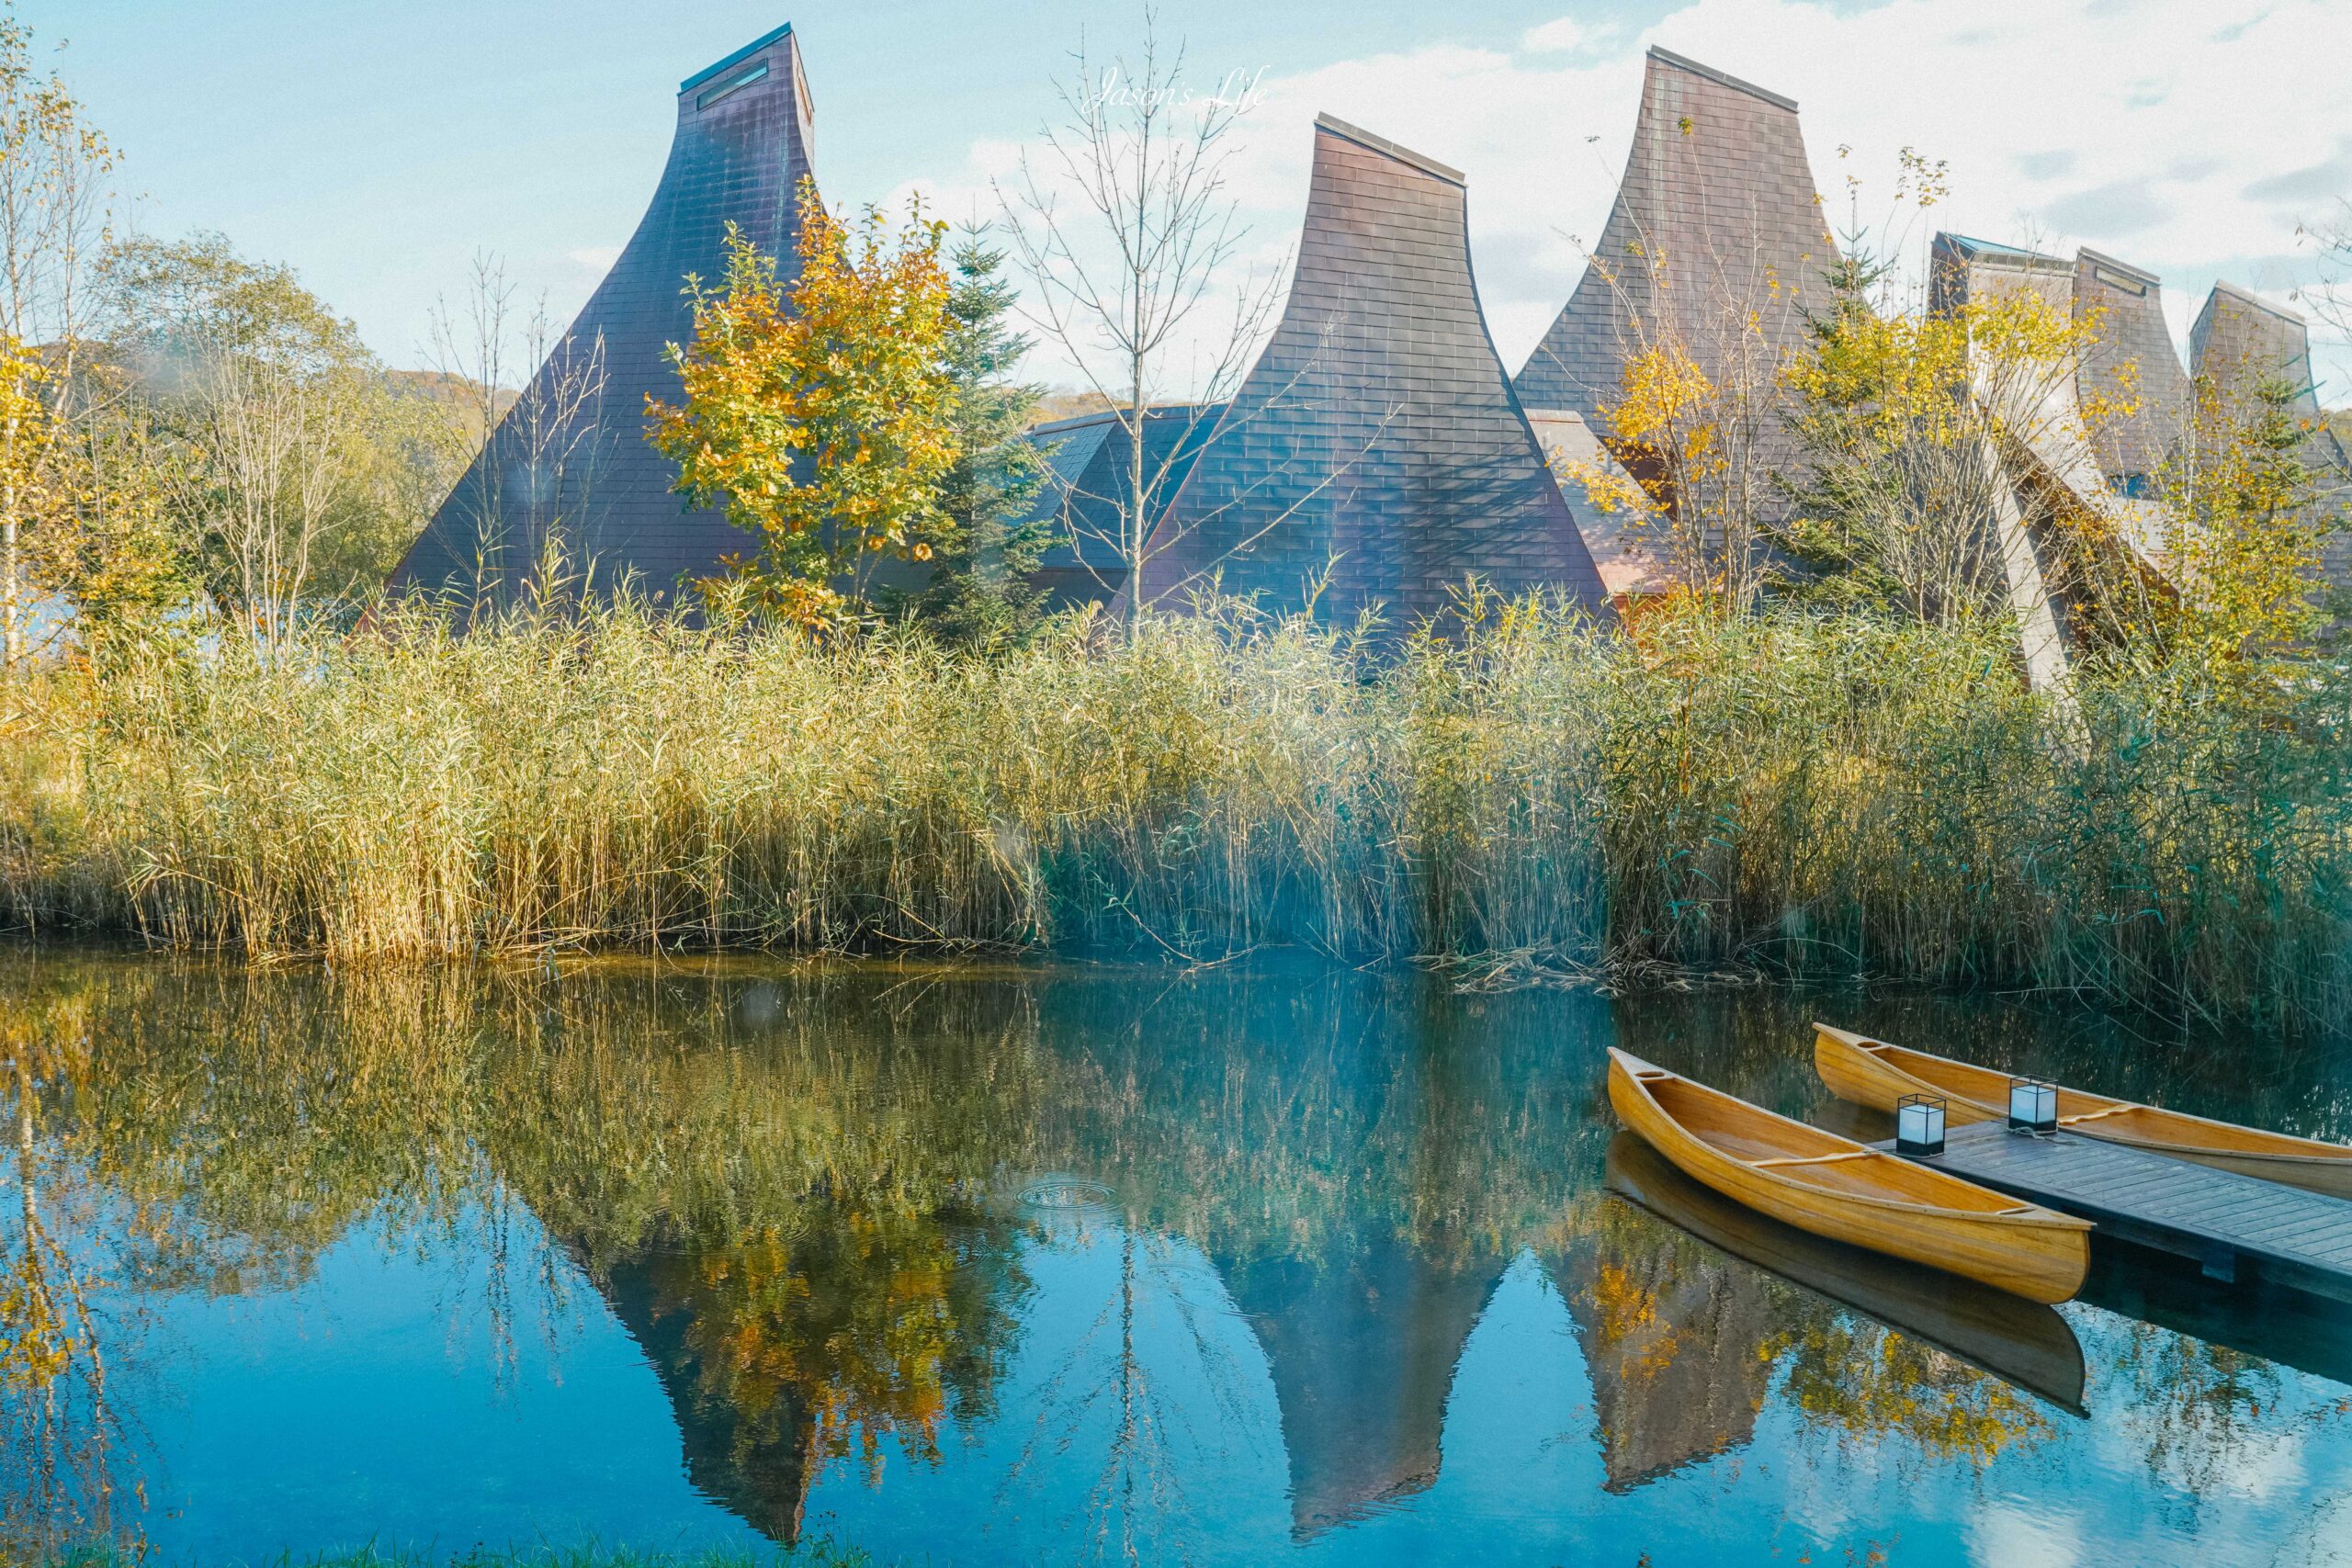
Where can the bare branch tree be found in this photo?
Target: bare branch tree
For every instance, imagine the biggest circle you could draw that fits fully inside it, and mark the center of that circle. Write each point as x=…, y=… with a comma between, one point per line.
x=270, y=424
x=54, y=208
x=1127, y=232
x=536, y=452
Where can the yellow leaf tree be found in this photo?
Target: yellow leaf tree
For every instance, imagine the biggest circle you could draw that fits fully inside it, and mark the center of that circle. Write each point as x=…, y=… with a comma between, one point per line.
x=819, y=412
x=1903, y=417
x=2246, y=527
x=36, y=493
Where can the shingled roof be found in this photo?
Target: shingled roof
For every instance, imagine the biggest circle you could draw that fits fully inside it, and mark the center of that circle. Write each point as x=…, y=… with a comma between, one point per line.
x=2131, y=378
x=739, y=151
x=1376, y=437
x=1716, y=216
x=1090, y=487
x=2240, y=340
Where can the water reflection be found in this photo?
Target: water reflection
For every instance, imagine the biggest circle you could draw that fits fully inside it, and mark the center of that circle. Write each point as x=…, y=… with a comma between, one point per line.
x=1361, y=1343
x=1024, y=1264
x=2023, y=1343
x=868, y=1327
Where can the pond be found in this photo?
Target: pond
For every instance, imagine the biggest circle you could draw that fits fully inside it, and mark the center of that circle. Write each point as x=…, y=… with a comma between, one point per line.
x=988, y=1264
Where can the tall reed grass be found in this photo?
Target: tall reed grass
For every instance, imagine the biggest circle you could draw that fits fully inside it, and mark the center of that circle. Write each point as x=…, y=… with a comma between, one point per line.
x=1816, y=796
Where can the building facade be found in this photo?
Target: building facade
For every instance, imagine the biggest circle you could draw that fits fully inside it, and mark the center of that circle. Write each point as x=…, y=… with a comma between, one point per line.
x=568, y=486
x=1375, y=457
x=1714, y=248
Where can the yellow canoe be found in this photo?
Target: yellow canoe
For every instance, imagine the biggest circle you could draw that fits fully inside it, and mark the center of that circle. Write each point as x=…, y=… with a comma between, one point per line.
x=1834, y=1187
x=1872, y=1072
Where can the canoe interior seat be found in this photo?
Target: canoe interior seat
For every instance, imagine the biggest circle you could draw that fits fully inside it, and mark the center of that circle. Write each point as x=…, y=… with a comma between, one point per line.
x=1815, y=1160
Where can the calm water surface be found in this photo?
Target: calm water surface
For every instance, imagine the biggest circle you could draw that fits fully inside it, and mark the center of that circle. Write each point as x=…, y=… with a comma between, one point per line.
x=1277, y=1266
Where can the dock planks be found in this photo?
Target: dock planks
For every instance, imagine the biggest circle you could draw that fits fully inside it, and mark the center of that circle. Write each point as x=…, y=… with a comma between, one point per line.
x=2226, y=1221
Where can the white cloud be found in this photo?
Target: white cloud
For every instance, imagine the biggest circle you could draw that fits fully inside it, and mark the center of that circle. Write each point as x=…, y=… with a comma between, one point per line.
x=1557, y=37
x=2001, y=1533
x=2065, y=122
x=598, y=259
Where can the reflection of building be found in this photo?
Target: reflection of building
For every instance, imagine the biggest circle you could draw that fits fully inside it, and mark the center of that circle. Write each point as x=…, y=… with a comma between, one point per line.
x=577, y=468
x=1376, y=439
x=1361, y=1343
x=1675, y=1337
x=1716, y=236
x=757, y=1463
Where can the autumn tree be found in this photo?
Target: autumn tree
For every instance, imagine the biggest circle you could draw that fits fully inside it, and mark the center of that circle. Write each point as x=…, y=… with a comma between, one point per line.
x=2243, y=529
x=1694, y=421
x=53, y=211
x=820, y=412
x=38, y=481
x=1912, y=423
x=1697, y=420
x=1665, y=426
x=104, y=545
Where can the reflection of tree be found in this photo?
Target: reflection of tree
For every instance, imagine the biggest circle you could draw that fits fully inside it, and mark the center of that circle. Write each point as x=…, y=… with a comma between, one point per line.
x=1862, y=1379
x=1676, y=1340
x=248, y=1120
x=1105, y=1387
x=58, y=1430
x=2197, y=1404
x=1685, y=1342
x=780, y=1353
x=773, y=1199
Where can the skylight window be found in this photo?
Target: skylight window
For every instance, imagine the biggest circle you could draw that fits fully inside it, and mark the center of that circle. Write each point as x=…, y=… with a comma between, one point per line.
x=735, y=83
x=2116, y=280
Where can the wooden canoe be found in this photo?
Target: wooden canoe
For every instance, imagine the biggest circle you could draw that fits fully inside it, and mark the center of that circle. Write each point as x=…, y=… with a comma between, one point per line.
x=1834, y=1187
x=1872, y=1072
x=2022, y=1343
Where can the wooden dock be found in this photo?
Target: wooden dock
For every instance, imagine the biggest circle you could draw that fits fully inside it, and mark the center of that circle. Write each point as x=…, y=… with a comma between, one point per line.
x=2232, y=1226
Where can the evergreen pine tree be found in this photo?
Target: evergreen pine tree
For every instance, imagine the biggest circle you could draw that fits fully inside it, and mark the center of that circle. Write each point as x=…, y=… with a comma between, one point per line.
x=983, y=555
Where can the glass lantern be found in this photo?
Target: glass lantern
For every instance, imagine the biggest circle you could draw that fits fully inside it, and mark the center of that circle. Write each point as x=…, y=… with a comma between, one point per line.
x=1918, y=1125
x=2033, y=1106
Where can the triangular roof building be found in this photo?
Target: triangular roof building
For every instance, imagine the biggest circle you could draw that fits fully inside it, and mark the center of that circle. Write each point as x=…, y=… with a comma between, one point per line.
x=1716, y=233
x=579, y=468
x=1376, y=439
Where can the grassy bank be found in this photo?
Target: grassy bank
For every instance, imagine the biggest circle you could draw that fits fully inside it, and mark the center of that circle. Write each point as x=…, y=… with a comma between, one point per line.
x=1816, y=797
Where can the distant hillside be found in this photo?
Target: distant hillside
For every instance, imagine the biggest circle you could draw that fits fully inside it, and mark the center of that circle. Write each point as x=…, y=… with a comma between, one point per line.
x=1067, y=402
x=442, y=388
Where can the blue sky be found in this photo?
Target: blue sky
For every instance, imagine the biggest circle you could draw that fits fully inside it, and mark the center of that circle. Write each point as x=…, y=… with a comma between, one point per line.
x=376, y=146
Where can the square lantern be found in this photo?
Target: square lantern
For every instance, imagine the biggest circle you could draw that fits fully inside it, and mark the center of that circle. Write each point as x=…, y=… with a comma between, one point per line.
x=1918, y=1124
x=2033, y=1106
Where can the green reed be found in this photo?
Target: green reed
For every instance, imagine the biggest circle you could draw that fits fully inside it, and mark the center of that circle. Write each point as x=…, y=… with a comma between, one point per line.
x=1801, y=794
